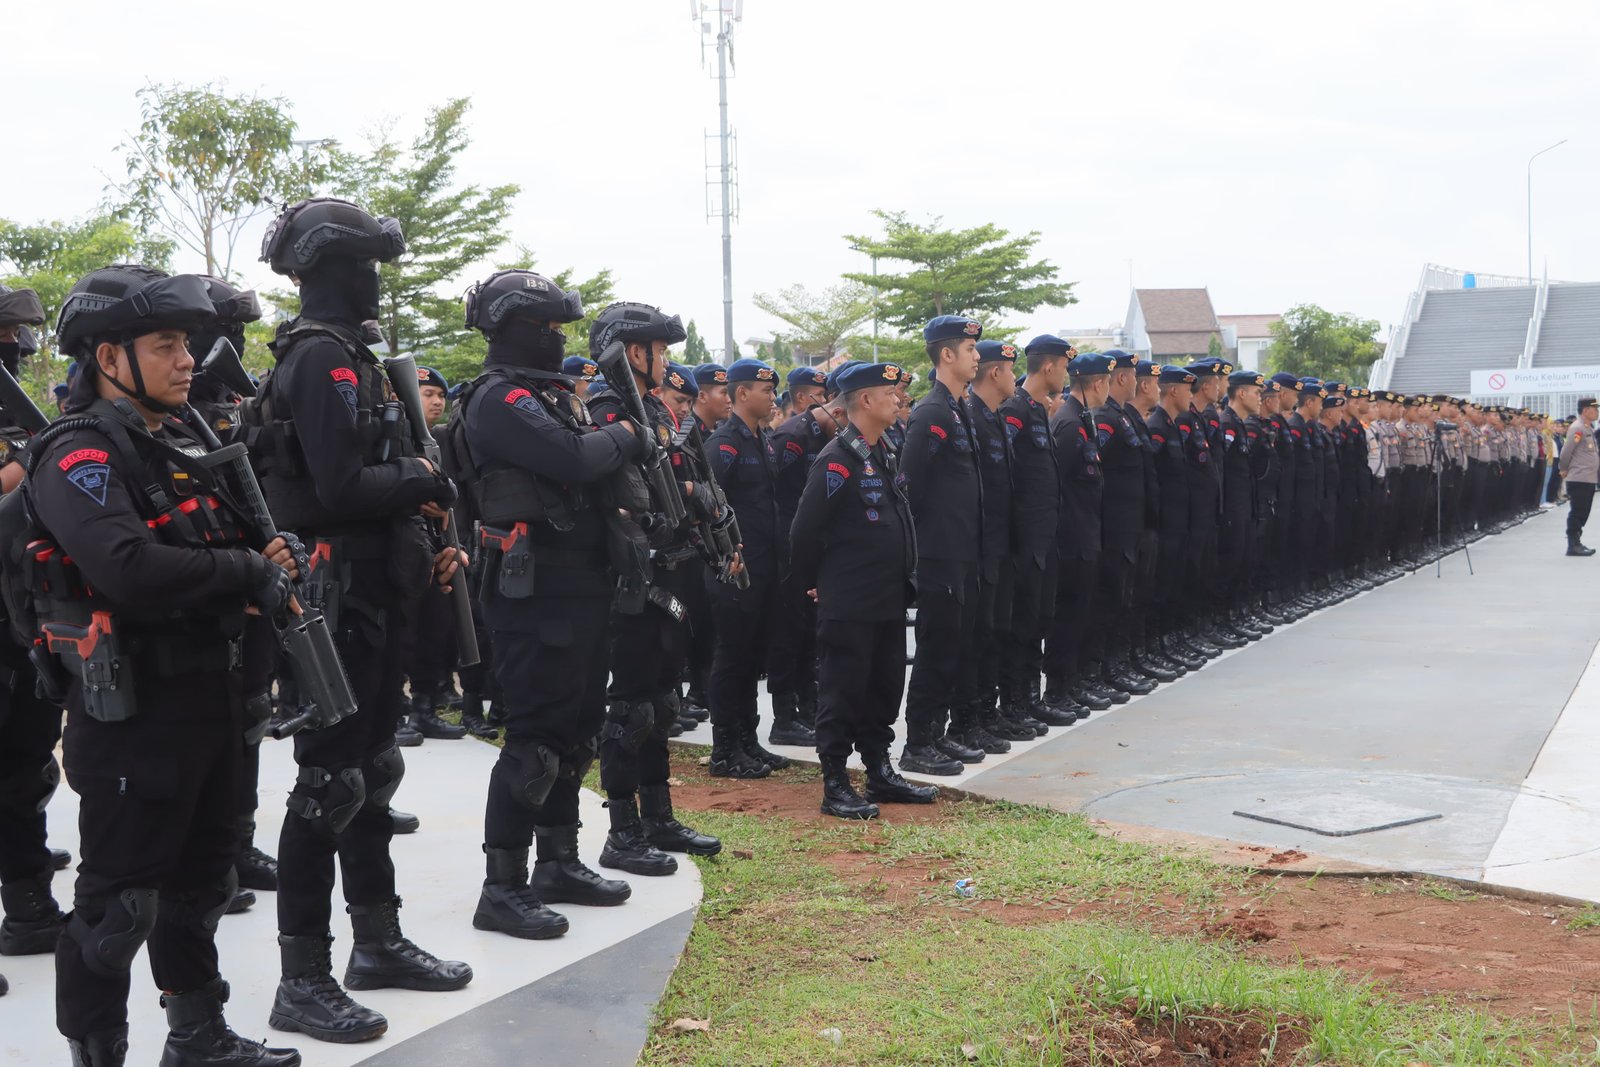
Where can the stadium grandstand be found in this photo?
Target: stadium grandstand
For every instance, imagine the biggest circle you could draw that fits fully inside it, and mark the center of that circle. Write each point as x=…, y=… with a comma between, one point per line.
x=1456, y=322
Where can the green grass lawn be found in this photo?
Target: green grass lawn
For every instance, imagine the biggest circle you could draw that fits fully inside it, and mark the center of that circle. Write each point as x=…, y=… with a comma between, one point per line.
x=786, y=947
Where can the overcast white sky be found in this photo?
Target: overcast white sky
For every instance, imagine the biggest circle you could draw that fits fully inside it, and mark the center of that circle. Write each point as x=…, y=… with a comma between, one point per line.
x=1276, y=153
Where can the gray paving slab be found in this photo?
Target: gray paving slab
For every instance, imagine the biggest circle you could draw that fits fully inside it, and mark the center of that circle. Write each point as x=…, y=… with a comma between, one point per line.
x=1431, y=692
x=595, y=1012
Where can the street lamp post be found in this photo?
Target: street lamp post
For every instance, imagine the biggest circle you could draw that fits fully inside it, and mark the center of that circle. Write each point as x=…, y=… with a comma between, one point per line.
x=1531, y=158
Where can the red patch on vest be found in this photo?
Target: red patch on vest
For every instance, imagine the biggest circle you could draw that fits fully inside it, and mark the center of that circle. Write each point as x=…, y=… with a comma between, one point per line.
x=938, y=431
x=611, y=416
x=82, y=455
x=1013, y=420
x=794, y=446
x=343, y=374
x=732, y=450
x=516, y=395
x=840, y=469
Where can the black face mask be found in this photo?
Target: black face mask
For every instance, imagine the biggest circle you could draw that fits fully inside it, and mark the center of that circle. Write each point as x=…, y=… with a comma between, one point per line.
x=528, y=344
x=340, y=290
x=11, y=356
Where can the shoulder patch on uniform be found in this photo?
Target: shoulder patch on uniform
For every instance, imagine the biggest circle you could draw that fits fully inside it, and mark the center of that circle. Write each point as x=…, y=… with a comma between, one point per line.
x=795, y=447
x=836, y=475
x=87, y=469
x=344, y=380
x=1012, y=420
x=522, y=400
x=938, y=431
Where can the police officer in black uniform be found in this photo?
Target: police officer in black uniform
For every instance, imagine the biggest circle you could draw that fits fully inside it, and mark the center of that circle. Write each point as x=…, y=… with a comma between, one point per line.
x=1036, y=509
x=30, y=725
x=215, y=396
x=746, y=464
x=1244, y=459
x=711, y=407
x=142, y=584
x=792, y=668
x=855, y=548
x=333, y=450
x=535, y=462
x=983, y=725
x=940, y=464
x=1078, y=533
x=648, y=624
x=1122, y=522
x=1172, y=609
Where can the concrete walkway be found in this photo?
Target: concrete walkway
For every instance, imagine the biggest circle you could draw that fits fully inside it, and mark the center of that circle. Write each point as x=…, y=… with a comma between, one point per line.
x=1455, y=700
x=584, y=998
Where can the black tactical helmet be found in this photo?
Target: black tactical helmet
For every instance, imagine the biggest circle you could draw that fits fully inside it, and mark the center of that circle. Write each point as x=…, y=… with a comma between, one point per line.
x=119, y=303
x=312, y=230
x=20, y=307
x=522, y=294
x=627, y=321
x=234, y=307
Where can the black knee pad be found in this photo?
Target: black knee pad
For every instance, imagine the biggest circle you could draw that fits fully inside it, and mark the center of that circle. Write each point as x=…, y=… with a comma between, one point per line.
x=30, y=790
x=110, y=945
x=257, y=717
x=628, y=723
x=200, y=910
x=326, y=800
x=576, y=764
x=532, y=771
x=383, y=773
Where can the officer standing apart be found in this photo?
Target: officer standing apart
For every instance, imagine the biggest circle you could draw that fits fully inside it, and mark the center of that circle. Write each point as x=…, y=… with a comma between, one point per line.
x=940, y=464
x=332, y=448
x=855, y=550
x=1580, y=469
x=148, y=559
x=533, y=461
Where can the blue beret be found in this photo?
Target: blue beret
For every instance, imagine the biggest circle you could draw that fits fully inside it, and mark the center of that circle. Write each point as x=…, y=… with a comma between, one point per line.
x=1334, y=387
x=996, y=352
x=681, y=379
x=429, y=376
x=1171, y=375
x=1312, y=386
x=1048, y=344
x=710, y=374
x=1288, y=381
x=1246, y=377
x=1268, y=386
x=832, y=386
x=1211, y=365
x=1146, y=368
x=1333, y=401
x=580, y=367
x=907, y=375
x=455, y=390
x=952, y=328
x=853, y=376
x=1122, y=358
x=751, y=370
x=1092, y=363
x=801, y=377
x=61, y=390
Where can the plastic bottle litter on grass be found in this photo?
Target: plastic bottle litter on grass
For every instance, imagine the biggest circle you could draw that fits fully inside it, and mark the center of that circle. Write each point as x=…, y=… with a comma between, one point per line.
x=966, y=888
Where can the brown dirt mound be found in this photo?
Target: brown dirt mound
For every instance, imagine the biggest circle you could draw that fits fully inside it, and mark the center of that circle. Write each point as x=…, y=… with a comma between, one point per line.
x=1217, y=1038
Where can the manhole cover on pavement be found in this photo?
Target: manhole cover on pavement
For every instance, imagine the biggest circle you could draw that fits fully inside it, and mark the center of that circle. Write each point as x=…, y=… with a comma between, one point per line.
x=1339, y=814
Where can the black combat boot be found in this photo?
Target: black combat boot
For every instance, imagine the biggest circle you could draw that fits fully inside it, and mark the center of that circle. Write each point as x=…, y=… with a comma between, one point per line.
x=1094, y=683
x=1056, y=708
x=886, y=786
x=406, y=735
x=787, y=729
x=425, y=719
x=33, y=920
x=1157, y=651
x=404, y=822
x=1080, y=692
x=628, y=847
x=665, y=831
x=1143, y=662
x=967, y=728
x=728, y=759
x=1575, y=547
x=1010, y=720
x=200, y=1037
x=257, y=870
x=310, y=1001
x=839, y=796
x=695, y=705
x=508, y=905
x=951, y=741
x=922, y=756
x=384, y=958
x=103, y=1048
x=1119, y=674
x=1038, y=701
x=472, y=718
x=560, y=877
x=751, y=745
x=243, y=900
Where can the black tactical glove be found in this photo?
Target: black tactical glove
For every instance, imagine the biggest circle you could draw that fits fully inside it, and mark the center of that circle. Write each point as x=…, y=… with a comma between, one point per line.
x=272, y=589
x=445, y=492
x=297, y=549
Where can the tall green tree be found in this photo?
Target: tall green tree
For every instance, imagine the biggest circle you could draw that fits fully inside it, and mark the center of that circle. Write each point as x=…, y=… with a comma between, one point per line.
x=203, y=163
x=694, y=346
x=448, y=226
x=819, y=323
x=49, y=257
x=1311, y=341
x=983, y=272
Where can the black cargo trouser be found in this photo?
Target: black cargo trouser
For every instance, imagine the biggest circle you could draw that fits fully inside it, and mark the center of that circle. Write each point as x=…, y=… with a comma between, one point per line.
x=861, y=673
